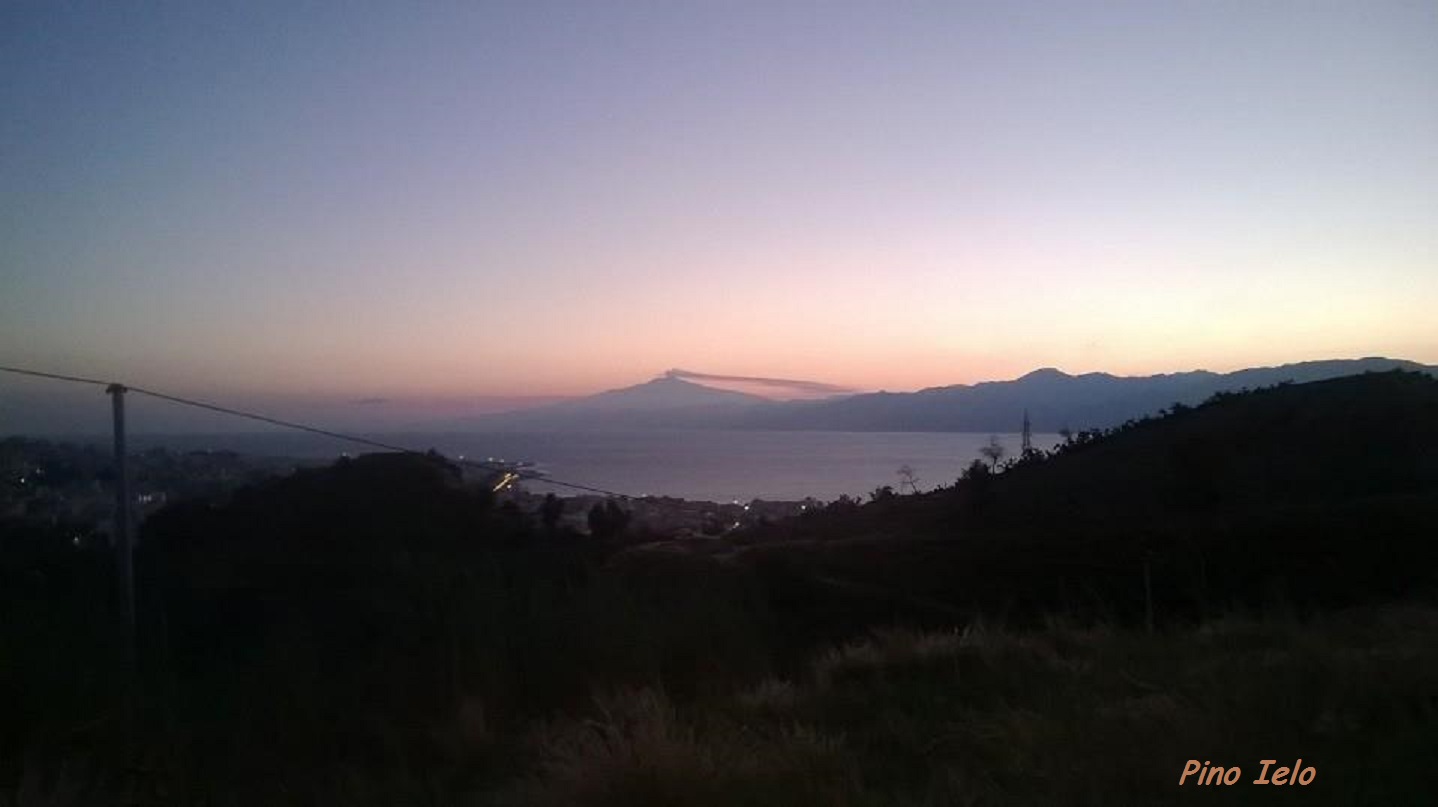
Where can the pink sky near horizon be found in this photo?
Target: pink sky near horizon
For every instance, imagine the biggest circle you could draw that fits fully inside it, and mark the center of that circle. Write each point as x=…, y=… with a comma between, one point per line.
x=456, y=207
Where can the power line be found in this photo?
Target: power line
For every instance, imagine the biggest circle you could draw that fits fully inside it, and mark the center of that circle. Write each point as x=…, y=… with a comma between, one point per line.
x=56, y=376
x=224, y=410
x=352, y=438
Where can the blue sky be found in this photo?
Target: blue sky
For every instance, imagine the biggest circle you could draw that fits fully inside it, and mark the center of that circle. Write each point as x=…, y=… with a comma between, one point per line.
x=455, y=202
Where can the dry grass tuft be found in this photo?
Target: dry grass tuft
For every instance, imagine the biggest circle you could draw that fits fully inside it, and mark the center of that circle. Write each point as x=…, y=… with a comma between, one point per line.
x=639, y=751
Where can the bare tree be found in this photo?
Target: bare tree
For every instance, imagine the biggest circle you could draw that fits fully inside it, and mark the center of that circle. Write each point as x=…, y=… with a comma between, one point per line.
x=908, y=479
x=994, y=452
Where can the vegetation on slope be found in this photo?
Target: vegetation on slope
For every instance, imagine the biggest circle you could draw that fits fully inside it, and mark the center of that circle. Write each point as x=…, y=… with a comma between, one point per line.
x=379, y=632
x=1057, y=715
x=1314, y=495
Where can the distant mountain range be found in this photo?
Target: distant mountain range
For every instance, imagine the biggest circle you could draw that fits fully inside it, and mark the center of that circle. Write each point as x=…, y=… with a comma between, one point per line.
x=665, y=402
x=1052, y=398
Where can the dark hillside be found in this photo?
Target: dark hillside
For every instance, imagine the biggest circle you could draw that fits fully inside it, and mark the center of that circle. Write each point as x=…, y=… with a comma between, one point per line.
x=1327, y=441
x=381, y=632
x=1316, y=494
x=344, y=617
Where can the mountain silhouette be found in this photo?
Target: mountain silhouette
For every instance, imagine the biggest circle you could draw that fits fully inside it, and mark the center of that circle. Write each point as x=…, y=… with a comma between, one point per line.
x=1054, y=400
x=666, y=401
x=664, y=392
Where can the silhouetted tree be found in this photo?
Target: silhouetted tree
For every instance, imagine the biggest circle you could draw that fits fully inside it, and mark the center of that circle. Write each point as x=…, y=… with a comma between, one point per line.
x=908, y=479
x=550, y=511
x=607, y=520
x=994, y=451
x=973, y=486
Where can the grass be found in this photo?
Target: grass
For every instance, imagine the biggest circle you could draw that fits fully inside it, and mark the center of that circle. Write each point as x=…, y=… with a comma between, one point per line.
x=371, y=634
x=1060, y=715
x=637, y=750
x=981, y=715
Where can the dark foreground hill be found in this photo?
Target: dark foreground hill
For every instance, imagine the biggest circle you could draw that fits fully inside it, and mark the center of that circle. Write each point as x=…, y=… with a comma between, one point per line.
x=1246, y=579
x=1311, y=495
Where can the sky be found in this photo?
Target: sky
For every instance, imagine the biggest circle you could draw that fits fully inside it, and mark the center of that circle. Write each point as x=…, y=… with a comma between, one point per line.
x=467, y=204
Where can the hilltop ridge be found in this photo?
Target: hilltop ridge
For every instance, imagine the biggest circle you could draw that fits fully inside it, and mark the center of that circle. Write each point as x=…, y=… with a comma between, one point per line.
x=1321, y=493
x=1054, y=399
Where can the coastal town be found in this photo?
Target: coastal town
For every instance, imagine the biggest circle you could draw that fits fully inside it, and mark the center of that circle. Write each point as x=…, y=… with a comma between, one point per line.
x=69, y=487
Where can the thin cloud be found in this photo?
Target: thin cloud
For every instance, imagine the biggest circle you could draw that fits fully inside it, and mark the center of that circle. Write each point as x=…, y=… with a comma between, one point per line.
x=813, y=387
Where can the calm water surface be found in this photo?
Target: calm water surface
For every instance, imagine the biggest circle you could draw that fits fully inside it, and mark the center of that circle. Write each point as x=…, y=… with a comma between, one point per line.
x=713, y=465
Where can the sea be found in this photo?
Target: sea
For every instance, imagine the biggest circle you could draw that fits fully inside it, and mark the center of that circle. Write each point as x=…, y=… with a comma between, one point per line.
x=708, y=465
